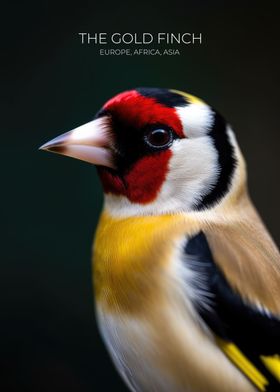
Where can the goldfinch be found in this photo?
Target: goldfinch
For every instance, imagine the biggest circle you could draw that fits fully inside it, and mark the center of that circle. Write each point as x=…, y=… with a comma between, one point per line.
x=186, y=276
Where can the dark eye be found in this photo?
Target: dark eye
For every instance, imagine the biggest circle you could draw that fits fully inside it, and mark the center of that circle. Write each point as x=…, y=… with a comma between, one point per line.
x=159, y=137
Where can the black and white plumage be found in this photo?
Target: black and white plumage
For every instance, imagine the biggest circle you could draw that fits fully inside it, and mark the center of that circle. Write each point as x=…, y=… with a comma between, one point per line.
x=187, y=278
x=253, y=329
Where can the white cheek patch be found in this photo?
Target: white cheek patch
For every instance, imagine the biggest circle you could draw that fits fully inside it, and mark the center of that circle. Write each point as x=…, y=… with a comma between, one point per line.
x=197, y=119
x=193, y=172
x=193, y=169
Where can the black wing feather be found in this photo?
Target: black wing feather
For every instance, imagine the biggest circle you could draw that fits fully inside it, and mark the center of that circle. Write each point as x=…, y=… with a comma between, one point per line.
x=255, y=332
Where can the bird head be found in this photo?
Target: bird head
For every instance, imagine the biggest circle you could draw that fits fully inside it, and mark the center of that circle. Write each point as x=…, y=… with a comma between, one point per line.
x=157, y=151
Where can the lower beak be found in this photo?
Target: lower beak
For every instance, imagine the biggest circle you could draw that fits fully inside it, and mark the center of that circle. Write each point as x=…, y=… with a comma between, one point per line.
x=90, y=142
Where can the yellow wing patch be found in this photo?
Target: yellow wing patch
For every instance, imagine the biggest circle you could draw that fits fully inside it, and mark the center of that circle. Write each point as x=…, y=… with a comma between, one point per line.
x=239, y=359
x=273, y=365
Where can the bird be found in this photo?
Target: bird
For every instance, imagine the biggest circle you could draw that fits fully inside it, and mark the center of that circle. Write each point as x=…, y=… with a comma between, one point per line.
x=186, y=275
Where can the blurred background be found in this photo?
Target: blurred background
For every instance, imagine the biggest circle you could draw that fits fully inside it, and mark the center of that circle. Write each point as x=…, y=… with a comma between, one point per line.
x=50, y=204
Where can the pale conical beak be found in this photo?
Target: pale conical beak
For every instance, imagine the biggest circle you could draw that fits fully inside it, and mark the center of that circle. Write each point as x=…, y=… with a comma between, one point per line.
x=90, y=142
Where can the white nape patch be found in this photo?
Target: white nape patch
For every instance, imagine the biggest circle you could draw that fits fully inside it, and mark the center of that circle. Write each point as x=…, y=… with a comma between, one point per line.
x=193, y=172
x=196, y=118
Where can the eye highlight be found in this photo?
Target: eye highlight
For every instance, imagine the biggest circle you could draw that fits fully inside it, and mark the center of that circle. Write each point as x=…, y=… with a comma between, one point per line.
x=159, y=137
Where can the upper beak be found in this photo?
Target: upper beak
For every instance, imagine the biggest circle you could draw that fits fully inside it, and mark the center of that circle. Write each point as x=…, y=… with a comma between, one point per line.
x=90, y=142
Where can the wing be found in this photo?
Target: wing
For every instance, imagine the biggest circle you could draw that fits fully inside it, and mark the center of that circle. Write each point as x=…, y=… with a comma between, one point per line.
x=249, y=335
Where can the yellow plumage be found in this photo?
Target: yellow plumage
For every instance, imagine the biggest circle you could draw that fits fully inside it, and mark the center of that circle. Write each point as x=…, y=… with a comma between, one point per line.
x=127, y=254
x=180, y=251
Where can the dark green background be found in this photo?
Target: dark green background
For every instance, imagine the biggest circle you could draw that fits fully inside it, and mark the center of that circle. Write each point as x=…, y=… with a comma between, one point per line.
x=51, y=204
